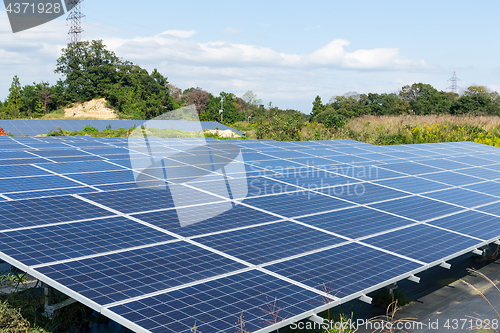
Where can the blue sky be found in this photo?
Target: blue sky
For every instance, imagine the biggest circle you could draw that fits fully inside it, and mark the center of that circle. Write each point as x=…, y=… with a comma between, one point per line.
x=286, y=52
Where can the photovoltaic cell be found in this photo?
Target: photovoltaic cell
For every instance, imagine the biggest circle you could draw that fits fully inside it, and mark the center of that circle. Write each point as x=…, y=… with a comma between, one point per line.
x=36, y=212
x=452, y=178
x=234, y=217
x=463, y=197
x=410, y=168
x=9, y=185
x=491, y=188
x=413, y=184
x=100, y=262
x=355, y=222
x=50, y=193
x=417, y=208
x=472, y=223
x=297, y=203
x=66, y=241
x=77, y=167
x=346, y=269
x=214, y=305
x=259, y=245
x=422, y=242
x=363, y=193
x=21, y=171
x=115, y=277
x=481, y=172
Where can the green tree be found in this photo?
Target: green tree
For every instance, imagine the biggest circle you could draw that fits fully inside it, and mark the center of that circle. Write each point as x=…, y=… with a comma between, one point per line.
x=229, y=110
x=317, y=108
x=139, y=95
x=14, y=104
x=89, y=69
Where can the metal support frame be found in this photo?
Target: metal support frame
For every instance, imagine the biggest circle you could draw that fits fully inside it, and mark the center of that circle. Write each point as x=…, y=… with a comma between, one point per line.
x=445, y=265
x=366, y=299
x=414, y=278
x=49, y=309
x=317, y=319
x=478, y=252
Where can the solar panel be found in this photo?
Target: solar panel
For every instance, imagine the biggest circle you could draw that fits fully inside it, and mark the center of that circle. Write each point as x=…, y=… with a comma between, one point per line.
x=160, y=247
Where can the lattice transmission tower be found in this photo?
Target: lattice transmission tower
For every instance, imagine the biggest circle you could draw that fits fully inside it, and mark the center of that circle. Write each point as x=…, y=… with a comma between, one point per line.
x=75, y=21
x=454, y=86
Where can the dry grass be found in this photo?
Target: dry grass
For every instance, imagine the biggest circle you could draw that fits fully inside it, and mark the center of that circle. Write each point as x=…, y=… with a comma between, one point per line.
x=393, y=123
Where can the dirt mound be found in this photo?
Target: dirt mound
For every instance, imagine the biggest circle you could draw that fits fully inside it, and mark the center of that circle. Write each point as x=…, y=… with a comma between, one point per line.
x=94, y=109
x=223, y=134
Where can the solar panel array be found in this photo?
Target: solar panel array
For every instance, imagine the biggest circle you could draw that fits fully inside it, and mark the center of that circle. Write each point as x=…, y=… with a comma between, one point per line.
x=33, y=127
x=322, y=220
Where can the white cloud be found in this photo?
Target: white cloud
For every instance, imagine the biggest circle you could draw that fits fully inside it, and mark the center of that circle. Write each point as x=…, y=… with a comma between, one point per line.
x=174, y=46
x=179, y=33
x=284, y=78
x=232, y=31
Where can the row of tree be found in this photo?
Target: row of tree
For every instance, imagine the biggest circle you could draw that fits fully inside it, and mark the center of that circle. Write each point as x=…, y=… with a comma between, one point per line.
x=418, y=99
x=90, y=70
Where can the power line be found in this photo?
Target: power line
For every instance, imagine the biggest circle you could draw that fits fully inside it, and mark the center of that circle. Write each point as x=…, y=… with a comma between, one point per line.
x=75, y=18
x=454, y=87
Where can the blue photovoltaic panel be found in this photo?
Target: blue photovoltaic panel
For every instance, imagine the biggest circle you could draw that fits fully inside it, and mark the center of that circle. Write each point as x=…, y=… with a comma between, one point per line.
x=368, y=172
x=493, y=208
x=21, y=171
x=355, y=222
x=257, y=186
x=402, y=154
x=481, y=172
x=363, y=193
x=413, y=184
x=75, y=158
x=66, y=241
x=491, y=188
x=313, y=161
x=233, y=217
x=410, y=168
x=472, y=223
x=9, y=185
x=423, y=242
x=50, y=193
x=346, y=269
x=106, y=258
x=476, y=161
x=288, y=154
x=214, y=305
x=36, y=212
x=259, y=245
x=444, y=164
x=276, y=165
x=463, y=197
x=313, y=178
x=452, y=178
x=19, y=161
x=115, y=277
x=348, y=159
x=77, y=167
x=143, y=200
x=61, y=153
x=297, y=203
x=417, y=208
x=107, y=177
x=7, y=155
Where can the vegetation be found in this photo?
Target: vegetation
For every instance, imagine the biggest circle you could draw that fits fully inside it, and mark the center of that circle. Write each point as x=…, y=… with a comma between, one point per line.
x=137, y=132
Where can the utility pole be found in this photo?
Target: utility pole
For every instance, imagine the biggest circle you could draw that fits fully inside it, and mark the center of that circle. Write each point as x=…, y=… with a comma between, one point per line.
x=221, y=109
x=75, y=19
x=454, y=87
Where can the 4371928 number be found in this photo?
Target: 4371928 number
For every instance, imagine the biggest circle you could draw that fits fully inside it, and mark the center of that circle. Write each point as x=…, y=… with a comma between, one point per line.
x=31, y=8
